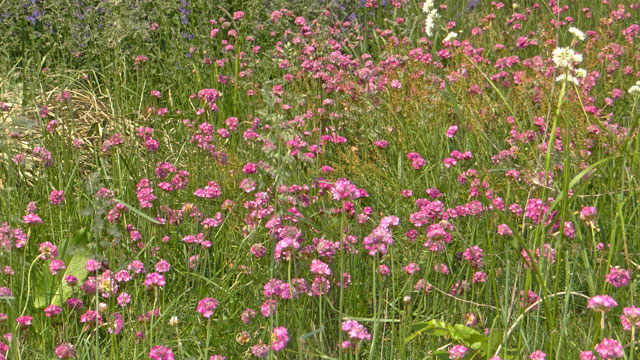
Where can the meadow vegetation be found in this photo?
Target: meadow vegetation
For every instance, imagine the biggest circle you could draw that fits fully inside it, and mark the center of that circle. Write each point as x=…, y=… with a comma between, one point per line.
x=319, y=179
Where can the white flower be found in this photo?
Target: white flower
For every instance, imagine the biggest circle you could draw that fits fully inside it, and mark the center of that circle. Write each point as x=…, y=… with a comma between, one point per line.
x=565, y=57
x=568, y=77
x=635, y=89
x=430, y=22
x=580, y=73
x=427, y=6
x=450, y=36
x=577, y=33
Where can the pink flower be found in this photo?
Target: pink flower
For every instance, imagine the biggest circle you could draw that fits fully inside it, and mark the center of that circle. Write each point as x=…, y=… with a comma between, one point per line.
x=258, y=250
x=320, y=286
x=93, y=265
x=247, y=315
x=470, y=319
x=355, y=330
x=538, y=355
x=587, y=355
x=91, y=317
x=52, y=310
x=206, y=306
x=588, y=214
x=601, y=303
x=411, y=268
x=32, y=219
x=609, y=349
x=48, y=250
x=457, y=352
x=479, y=277
x=65, y=351
x=451, y=131
x=268, y=307
x=384, y=270
x=618, y=277
x=417, y=162
x=342, y=189
x=123, y=299
x=237, y=15
x=279, y=338
x=116, y=325
x=319, y=268
x=24, y=321
x=136, y=266
x=260, y=350
x=382, y=144
x=56, y=265
x=122, y=276
x=56, y=197
x=162, y=266
x=160, y=352
x=630, y=318
x=212, y=190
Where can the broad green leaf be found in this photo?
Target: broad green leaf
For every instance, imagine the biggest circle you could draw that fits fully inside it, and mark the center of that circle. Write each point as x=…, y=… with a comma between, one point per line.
x=76, y=268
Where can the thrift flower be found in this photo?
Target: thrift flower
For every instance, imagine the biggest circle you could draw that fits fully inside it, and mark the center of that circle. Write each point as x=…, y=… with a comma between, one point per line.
x=609, y=349
x=618, y=277
x=538, y=355
x=630, y=318
x=260, y=350
x=355, y=330
x=457, y=352
x=279, y=338
x=602, y=303
x=206, y=306
x=65, y=351
x=56, y=197
x=587, y=355
x=160, y=352
x=24, y=321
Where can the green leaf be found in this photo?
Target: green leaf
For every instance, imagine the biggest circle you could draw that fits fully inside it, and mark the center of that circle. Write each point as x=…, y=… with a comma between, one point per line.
x=41, y=292
x=76, y=268
x=77, y=243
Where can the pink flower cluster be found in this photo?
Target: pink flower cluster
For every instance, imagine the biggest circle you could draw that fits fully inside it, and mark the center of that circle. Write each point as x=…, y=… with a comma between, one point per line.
x=380, y=238
x=355, y=330
x=206, y=306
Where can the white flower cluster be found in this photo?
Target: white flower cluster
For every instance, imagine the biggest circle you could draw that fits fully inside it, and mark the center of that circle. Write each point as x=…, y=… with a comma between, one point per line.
x=635, y=89
x=450, y=36
x=432, y=15
x=577, y=33
x=566, y=57
x=577, y=74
